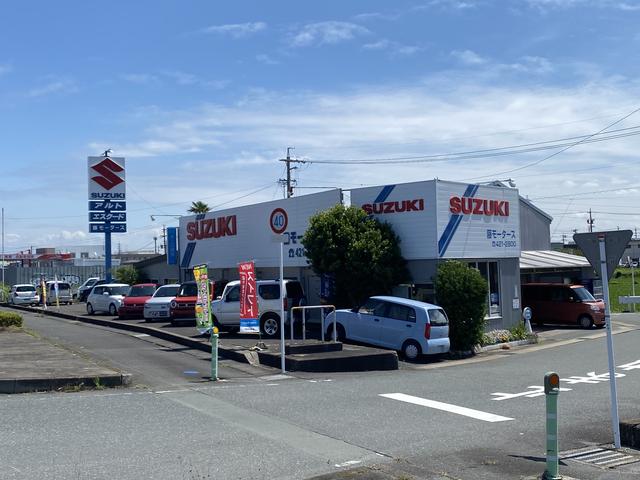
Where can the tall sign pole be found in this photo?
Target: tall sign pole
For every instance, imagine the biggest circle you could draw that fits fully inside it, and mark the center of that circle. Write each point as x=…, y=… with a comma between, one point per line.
x=107, y=201
x=604, y=250
x=615, y=422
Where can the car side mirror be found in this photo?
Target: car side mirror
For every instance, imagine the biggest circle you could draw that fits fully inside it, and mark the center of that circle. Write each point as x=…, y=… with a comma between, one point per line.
x=105, y=293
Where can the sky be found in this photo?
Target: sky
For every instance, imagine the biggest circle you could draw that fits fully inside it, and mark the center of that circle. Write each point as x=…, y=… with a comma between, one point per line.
x=203, y=98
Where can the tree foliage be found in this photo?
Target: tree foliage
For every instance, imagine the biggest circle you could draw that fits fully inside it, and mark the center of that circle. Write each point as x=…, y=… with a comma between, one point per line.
x=198, y=207
x=462, y=292
x=360, y=253
x=126, y=274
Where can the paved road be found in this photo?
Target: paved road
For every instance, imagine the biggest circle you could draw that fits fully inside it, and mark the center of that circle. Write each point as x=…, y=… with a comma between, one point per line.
x=295, y=427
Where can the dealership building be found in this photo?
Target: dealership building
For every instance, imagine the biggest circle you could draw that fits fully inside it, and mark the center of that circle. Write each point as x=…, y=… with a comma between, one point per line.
x=486, y=226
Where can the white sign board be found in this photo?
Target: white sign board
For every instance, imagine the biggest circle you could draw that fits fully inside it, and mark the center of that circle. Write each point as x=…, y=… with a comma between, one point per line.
x=224, y=238
x=106, y=178
x=438, y=219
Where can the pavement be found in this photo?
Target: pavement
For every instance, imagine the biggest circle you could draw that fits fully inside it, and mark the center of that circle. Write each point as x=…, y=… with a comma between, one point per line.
x=29, y=363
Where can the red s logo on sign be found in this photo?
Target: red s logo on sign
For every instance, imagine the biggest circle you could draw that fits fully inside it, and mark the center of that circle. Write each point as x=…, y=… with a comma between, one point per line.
x=107, y=179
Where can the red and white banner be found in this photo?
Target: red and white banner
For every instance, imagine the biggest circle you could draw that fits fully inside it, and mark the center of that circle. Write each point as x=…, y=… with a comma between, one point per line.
x=248, y=298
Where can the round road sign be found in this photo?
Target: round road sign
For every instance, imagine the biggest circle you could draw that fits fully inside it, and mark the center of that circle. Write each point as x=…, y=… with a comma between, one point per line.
x=278, y=221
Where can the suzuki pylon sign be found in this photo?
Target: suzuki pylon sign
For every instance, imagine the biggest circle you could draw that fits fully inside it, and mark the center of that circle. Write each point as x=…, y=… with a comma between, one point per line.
x=106, y=178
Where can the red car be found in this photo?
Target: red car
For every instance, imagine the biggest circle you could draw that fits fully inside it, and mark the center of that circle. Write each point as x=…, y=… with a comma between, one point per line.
x=133, y=303
x=183, y=307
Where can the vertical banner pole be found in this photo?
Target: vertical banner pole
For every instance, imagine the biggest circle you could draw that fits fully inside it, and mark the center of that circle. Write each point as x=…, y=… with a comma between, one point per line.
x=283, y=295
x=615, y=423
x=551, y=390
x=107, y=252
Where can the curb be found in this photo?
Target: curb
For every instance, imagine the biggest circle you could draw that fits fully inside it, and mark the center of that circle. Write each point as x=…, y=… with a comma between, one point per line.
x=630, y=433
x=501, y=346
x=27, y=385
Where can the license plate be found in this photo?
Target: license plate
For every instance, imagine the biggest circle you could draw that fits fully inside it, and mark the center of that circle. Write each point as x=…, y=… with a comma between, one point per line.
x=157, y=314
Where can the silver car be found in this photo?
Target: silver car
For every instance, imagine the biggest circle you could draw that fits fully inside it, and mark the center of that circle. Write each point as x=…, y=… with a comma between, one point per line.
x=158, y=306
x=414, y=328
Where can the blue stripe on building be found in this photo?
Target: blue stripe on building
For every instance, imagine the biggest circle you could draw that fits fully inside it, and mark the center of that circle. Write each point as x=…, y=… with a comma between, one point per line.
x=384, y=194
x=188, y=254
x=454, y=223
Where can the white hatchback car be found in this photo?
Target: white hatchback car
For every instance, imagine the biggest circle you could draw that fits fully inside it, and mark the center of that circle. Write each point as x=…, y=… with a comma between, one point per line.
x=414, y=328
x=107, y=298
x=158, y=306
x=24, y=294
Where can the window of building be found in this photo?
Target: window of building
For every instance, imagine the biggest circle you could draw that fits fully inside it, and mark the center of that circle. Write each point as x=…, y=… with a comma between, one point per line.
x=491, y=273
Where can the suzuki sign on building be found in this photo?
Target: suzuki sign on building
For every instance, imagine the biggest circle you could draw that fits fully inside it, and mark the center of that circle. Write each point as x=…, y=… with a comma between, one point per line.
x=225, y=238
x=439, y=219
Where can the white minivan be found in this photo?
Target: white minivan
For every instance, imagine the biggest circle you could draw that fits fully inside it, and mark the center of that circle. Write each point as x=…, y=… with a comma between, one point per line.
x=107, y=298
x=414, y=328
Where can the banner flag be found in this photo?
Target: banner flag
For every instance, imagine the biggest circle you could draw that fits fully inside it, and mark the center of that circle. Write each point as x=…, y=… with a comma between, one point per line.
x=248, y=299
x=203, y=302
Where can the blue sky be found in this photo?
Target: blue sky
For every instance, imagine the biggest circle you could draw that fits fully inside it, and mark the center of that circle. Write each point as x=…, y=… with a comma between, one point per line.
x=202, y=98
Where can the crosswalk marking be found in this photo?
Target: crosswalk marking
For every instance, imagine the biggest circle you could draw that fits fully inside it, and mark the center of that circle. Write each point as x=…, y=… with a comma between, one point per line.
x=602, y=457
x=447, y=407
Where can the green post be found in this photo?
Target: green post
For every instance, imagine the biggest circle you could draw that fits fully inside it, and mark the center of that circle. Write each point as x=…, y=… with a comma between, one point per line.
x=214, y=353
x=551, y=390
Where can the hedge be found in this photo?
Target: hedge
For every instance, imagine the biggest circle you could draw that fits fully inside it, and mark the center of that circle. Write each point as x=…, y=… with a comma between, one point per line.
x=10, y=319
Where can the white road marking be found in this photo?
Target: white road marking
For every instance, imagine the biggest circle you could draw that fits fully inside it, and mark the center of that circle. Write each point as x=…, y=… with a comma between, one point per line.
x=447, y=407
x=140, y=335
x=347, y=464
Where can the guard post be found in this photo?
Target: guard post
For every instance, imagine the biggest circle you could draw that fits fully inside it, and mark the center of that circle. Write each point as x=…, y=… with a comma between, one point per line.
x=214, y=353
x=551, y=390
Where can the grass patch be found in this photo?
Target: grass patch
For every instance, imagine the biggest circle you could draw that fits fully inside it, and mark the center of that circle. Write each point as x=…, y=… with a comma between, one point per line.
x=10, y=319
x=620, y=285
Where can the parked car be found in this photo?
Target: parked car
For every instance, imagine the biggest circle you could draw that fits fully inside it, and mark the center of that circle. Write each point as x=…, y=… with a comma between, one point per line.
x=157, y=307
x=107, y=298
x=414, y=328
x=85, y=289
x=183, y=307
x=133, y=304
x=226, y=309
x=60, y=289
x=559, y=303
x=23, y=294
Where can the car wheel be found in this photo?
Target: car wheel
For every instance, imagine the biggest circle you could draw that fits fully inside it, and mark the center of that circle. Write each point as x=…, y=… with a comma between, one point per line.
x=270, y=325
x=585, y=321
x=113, y=311
x=601, y=325
x=411, y=350
x=340, y=333
x=90, y=310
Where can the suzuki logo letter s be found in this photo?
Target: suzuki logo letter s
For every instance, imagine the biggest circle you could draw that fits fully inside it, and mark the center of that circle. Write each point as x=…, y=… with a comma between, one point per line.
x=108, y=178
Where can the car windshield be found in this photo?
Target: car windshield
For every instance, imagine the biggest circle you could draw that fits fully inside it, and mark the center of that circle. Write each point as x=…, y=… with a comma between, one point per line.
x=91, y=282
x=124, y=290
x=583, y=294
x=142, y=291
x=188, y=290
x=167, y=291
x=438, y=318
x=26, y=288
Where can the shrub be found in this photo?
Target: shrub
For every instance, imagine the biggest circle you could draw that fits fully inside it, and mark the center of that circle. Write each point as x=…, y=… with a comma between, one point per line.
x=462, y=292
x=10, y=319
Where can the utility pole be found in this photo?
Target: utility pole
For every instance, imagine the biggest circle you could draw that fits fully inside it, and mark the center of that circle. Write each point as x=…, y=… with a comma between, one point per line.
x=289, y=182
x=564, y=239
x=155, y=244
x=590, y=222
x=164, y=239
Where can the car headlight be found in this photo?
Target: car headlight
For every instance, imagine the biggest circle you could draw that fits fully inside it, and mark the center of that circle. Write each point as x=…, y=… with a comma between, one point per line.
x=595, y=308
x=174, y=304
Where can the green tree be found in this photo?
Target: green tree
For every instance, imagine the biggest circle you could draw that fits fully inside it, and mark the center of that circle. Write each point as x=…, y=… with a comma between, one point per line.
x=126, y=274
x=198, y=207
x=462, y=292
x=360, y=253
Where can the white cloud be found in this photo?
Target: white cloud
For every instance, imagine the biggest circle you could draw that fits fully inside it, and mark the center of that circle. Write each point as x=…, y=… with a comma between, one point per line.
x=4, y=69
x=267, y=59
x=237, y=30
x=54, y=86
x=140, y=78
x=452, y=4
x=564, y=4
x=327, y=33
x=468, y=57
x=394, y=48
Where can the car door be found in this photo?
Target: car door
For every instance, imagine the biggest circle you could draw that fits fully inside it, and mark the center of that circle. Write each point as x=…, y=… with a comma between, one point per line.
x=365, y=326
x=230, y=307
x=94, y=297
x=398, y=324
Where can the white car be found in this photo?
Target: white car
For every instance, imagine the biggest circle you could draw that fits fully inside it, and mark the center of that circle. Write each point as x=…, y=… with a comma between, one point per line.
x=414, y=328
x=226, y=309
x=158, y=306
x=107, y=298
x=24, y=294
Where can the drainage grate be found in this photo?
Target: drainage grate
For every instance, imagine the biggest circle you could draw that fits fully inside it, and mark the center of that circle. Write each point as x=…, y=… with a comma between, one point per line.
x=600, y=457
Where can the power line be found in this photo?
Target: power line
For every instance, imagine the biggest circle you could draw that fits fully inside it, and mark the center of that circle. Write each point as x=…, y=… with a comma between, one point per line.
x=493, y=152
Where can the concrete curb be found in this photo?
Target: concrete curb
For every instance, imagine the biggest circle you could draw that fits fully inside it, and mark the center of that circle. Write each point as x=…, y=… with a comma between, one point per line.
x=501, y=346
x=26, y=385
x=231, y=353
